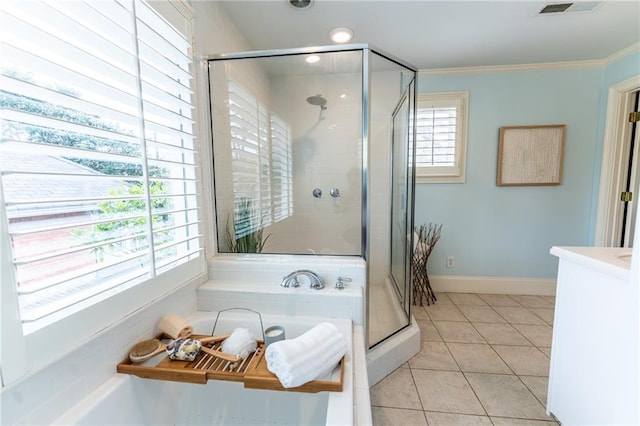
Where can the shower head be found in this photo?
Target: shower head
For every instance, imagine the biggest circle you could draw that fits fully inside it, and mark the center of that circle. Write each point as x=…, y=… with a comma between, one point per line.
x=318, y=100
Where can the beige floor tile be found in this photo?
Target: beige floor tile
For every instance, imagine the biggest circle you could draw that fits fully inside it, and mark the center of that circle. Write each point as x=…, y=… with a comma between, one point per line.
x=439, y=312
x=532, y=301
x=428, y=331
x=397, y=390
x=434, y=356
x=538, y=386
x=501, y=334
x=466, y=299
x=458, y=378
x=384, y=416
x=524, y=360
x=544, y=313
x=546, y=351
x=446, y=391
x=480, y=314
x=551, y=299
x=539, y=335
x=502, y=421
x=518, y=315
x=449, y=419
x=506, y=396
x=478, y=358
x=443, y=299
x=499, y=300
x=419, y=313
x=458, y=332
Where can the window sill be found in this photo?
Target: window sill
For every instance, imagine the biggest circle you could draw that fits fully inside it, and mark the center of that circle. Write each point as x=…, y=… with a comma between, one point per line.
x=440, y=179
x=79, y=327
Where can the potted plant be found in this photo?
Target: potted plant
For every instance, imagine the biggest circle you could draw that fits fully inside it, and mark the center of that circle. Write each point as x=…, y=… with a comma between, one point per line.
x=246, y=236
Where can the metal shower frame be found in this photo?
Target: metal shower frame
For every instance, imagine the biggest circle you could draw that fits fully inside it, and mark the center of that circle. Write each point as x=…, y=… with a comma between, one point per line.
x=367, y=51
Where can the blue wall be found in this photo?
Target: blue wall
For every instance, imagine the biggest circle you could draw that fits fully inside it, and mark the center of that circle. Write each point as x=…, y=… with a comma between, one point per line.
x=508, y=231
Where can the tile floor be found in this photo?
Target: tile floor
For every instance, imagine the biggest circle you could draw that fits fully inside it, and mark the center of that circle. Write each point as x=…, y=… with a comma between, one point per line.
x=484, y=360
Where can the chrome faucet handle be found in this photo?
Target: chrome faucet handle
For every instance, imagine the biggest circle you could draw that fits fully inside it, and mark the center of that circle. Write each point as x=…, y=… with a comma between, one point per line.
x=291, y=278
x=318, y=285
x=341, y=281
x=315, y=281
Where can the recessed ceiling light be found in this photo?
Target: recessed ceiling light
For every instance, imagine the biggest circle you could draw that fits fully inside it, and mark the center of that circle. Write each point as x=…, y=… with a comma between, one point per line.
x=300, y=4
x=341, y=35
x=312, y=59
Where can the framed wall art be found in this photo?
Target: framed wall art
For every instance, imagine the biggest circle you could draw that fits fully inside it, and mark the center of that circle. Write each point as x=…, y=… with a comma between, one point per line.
x=531, y=155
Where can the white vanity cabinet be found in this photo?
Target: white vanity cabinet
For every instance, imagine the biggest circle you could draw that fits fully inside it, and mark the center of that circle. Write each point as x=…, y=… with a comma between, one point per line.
x=594, y=374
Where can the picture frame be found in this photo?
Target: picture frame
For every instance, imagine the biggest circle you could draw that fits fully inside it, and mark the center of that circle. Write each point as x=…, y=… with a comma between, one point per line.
x=531, y=155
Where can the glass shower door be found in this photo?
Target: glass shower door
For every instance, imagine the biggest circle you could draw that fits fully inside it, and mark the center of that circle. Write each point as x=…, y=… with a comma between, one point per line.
x=399, y=189
x=287, y=148
x=390, y=171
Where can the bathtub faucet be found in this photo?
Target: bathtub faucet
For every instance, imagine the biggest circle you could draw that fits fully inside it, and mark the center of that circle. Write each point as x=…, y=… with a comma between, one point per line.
x=315, y=281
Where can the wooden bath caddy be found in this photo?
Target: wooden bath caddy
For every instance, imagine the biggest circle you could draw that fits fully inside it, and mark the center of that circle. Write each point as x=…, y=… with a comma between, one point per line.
x=252, y=371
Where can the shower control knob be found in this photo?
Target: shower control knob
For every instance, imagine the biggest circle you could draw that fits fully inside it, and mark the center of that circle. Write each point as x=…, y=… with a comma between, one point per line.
x=335, y=192
x=317, y=192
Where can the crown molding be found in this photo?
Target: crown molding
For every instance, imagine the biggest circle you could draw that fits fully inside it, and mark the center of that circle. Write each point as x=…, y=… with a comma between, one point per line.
x=533, y=67
x=622, y=53
x=513, y=68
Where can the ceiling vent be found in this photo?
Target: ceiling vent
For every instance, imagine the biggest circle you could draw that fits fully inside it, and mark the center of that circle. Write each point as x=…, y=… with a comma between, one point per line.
x=582, y=6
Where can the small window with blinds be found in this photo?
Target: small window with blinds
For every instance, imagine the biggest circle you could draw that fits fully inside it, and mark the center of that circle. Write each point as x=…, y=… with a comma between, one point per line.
x=262, y=163
x=97, y=154
x=441, y=137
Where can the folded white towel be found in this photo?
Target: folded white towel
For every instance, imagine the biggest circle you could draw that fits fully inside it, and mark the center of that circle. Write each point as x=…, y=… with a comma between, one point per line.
x=312, y=355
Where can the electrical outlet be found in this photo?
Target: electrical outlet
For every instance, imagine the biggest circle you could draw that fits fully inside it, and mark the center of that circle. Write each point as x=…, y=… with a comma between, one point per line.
x=451, y=262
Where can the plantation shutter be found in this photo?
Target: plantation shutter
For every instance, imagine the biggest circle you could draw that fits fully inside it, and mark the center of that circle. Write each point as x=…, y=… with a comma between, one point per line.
x=281, y=168
x=251, y=151
x=97, y=156
x=436, y=137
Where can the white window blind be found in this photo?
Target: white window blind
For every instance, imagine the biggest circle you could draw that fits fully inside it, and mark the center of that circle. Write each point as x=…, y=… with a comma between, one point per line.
x=281, y=168
x=262, y=163
x=436, y=132
x=97, y=157
x=441, y=137
x=250, y=154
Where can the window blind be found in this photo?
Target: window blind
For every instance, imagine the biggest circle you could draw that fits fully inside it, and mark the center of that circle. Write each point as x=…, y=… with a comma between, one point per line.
x=436, y=137
x=97, y=156
x=281, y=168
x=262, y=163
x=250, y=153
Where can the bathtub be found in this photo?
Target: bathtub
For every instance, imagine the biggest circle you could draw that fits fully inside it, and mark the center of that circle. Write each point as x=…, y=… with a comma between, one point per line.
x=129, y=400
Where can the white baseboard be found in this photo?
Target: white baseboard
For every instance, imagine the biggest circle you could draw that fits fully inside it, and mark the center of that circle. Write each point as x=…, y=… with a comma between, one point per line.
x=494, y=285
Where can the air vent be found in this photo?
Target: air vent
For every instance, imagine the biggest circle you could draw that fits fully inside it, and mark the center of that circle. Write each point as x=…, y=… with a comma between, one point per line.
x=582, y=6
x=555, y=8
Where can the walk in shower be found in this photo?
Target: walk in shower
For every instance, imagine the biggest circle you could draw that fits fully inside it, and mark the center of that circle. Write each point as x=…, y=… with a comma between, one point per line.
x=312, y=153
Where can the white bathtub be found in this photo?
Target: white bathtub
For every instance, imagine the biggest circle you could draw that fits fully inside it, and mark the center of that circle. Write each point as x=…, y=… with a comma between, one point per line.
x=129, y=400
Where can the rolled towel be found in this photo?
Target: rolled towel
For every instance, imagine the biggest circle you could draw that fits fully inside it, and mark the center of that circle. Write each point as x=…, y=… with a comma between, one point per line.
x=310, y=356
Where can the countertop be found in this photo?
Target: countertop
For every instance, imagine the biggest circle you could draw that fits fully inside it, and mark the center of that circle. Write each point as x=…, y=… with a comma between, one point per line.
x=609, y=260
